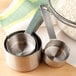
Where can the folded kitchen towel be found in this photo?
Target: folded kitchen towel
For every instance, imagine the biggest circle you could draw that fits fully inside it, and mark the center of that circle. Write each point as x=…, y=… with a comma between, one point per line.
x=18, y=12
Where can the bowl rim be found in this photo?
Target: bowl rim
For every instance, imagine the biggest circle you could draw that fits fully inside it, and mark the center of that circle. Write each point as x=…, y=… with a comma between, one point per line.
x=60, y=17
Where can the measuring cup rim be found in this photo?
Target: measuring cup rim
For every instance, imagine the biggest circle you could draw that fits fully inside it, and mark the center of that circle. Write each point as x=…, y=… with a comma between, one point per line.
x=23, y=31
x=65, y=47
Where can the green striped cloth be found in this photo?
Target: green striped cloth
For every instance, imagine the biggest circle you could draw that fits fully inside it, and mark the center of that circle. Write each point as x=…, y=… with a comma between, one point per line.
x=19, y=11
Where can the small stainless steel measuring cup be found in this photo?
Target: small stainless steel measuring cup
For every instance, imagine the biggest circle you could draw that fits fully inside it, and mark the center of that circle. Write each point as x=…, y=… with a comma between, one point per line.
x=19, y=55
x=56, y=52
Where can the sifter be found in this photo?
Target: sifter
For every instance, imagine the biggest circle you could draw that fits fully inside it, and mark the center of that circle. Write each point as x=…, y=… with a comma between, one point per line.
x=55, y=52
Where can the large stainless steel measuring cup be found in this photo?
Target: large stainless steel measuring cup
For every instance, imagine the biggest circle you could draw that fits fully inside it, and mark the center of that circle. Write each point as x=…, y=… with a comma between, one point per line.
x=56, y=52
x=22, y=44
x=23, y=48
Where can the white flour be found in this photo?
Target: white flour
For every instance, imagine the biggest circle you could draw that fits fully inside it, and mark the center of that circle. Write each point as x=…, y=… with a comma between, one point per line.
x=67, y=8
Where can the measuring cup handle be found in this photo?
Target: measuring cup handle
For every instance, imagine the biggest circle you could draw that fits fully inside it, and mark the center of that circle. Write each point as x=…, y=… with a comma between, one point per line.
x=48, y=22
x=35, y=23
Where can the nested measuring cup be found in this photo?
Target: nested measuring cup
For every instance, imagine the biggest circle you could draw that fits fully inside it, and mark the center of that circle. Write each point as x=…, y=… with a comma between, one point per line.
x=55, y=52
x=23, y=48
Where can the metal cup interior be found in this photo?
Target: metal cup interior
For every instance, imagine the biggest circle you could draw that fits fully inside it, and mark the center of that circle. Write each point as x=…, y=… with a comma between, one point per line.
x=56, y=52
x=21, y=44
x=24, y=63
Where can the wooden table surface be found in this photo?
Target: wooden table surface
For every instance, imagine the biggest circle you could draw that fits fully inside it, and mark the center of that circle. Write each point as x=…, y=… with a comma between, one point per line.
x=42, y=70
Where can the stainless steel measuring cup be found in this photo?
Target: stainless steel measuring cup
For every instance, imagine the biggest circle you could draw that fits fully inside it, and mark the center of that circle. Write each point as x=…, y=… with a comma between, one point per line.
x=56, y=52
x=22, y=44
x=17, y=57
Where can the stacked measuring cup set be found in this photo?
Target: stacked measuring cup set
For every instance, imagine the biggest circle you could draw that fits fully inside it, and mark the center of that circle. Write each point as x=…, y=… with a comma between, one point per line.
x=23, y=49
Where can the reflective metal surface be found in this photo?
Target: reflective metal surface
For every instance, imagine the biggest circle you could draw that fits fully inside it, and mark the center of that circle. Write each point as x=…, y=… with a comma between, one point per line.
x=24, y=63
x=56, y=52
x=22, y=44
x=23, y=48
x=17, y=44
